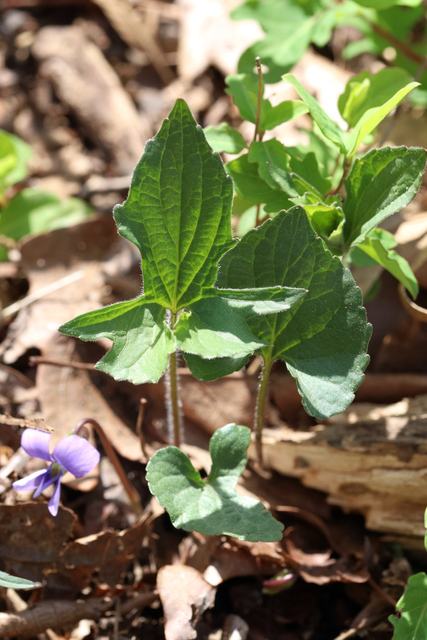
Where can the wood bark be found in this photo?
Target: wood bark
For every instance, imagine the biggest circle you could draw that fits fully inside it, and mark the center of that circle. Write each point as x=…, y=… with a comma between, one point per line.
x=370, y=459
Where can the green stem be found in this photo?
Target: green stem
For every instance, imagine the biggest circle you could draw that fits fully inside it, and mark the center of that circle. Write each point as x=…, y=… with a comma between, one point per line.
x=260, y=408
x=174, y=413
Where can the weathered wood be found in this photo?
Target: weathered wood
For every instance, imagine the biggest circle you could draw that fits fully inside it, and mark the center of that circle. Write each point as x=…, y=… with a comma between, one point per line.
x=370, y=459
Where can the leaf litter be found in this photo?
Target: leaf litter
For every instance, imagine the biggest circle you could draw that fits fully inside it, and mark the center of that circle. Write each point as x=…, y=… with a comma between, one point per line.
x=123, y=559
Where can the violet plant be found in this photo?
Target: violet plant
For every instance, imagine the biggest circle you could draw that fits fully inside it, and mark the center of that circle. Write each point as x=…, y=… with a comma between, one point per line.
x=282, y=291
x=73, y=453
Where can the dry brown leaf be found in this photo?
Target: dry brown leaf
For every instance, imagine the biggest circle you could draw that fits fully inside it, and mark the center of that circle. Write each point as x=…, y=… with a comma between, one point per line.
x=210, y=37
x=88, y=85
x=35, y=545
x=185, y=595
x=235, y=558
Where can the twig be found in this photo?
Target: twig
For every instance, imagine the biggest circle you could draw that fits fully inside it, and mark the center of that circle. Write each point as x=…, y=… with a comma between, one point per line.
x=133, y=495
x=44, y=291
x=87, y=366
x=260, y=91
x=139, y=431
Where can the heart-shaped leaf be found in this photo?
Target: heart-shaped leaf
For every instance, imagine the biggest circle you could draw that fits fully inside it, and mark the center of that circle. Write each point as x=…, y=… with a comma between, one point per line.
x=212, y=506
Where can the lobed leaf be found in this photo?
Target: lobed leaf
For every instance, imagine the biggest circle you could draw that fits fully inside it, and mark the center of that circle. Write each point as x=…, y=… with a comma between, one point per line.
x=212, y=507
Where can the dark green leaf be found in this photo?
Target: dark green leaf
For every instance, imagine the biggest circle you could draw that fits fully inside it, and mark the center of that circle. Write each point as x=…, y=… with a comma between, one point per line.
x=379, y=184
x=324, y=338
x=212, y=507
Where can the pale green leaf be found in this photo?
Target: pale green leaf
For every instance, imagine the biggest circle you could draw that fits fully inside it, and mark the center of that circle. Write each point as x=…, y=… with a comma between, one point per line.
x=142, y=341
x=373, y=116
x=225, y=138
x=12, y=582
x=14, y=157
x=323, y=339
x=212, y=506
x=328, y=127
x=412, y=606
x=379, y=184
x=366, y=91
x=283, y=112
x=375, y=246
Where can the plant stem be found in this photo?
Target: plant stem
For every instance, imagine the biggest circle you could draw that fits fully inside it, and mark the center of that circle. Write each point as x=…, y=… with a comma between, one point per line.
x=174, y=413
x=260, y=409
x=133, y=495
x=260, y=92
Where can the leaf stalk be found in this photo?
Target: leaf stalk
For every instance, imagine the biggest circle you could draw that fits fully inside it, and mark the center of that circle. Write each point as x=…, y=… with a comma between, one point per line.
x=260, y=409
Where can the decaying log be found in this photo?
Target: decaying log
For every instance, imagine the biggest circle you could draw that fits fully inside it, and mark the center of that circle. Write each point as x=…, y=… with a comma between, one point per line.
x=370, y=459
x=59, y=615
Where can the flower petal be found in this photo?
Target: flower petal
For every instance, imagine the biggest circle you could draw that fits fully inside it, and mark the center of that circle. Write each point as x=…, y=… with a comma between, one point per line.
x=31, y=482
x=48, y=479
x=76, y=455
x=36, y=443
x=54, y=501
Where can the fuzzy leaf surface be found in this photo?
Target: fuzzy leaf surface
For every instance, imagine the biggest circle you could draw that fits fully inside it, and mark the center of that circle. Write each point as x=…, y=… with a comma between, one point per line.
x=379, y=184
x=212, y=506
x=323, y=339
x=412, y=624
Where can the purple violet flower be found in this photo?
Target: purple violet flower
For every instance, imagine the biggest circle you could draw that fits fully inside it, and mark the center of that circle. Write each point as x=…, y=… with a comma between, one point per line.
x=72, y=453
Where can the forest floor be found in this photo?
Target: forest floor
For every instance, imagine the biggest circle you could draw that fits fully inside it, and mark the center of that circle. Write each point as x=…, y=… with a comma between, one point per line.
x=86, y=84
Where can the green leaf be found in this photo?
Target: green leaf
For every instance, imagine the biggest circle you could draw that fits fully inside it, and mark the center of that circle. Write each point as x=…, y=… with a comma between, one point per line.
x=323, y=339
x=208, y=370
x=178, y=215
x=365, y=91
x=290, y=28
x=12, y=582
x=225, y=138
x=373, y=116
x=212, y=506
x=385, y=4
x=142, y=340
x=328, y=127
x=283, y=112
x=215, y=328
x=14, y=156
x=250, y=186
x=185, y=196
x=244, y=90
x=34, y=211
x=412, y=623
x=379, y=184
x=377, y=247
